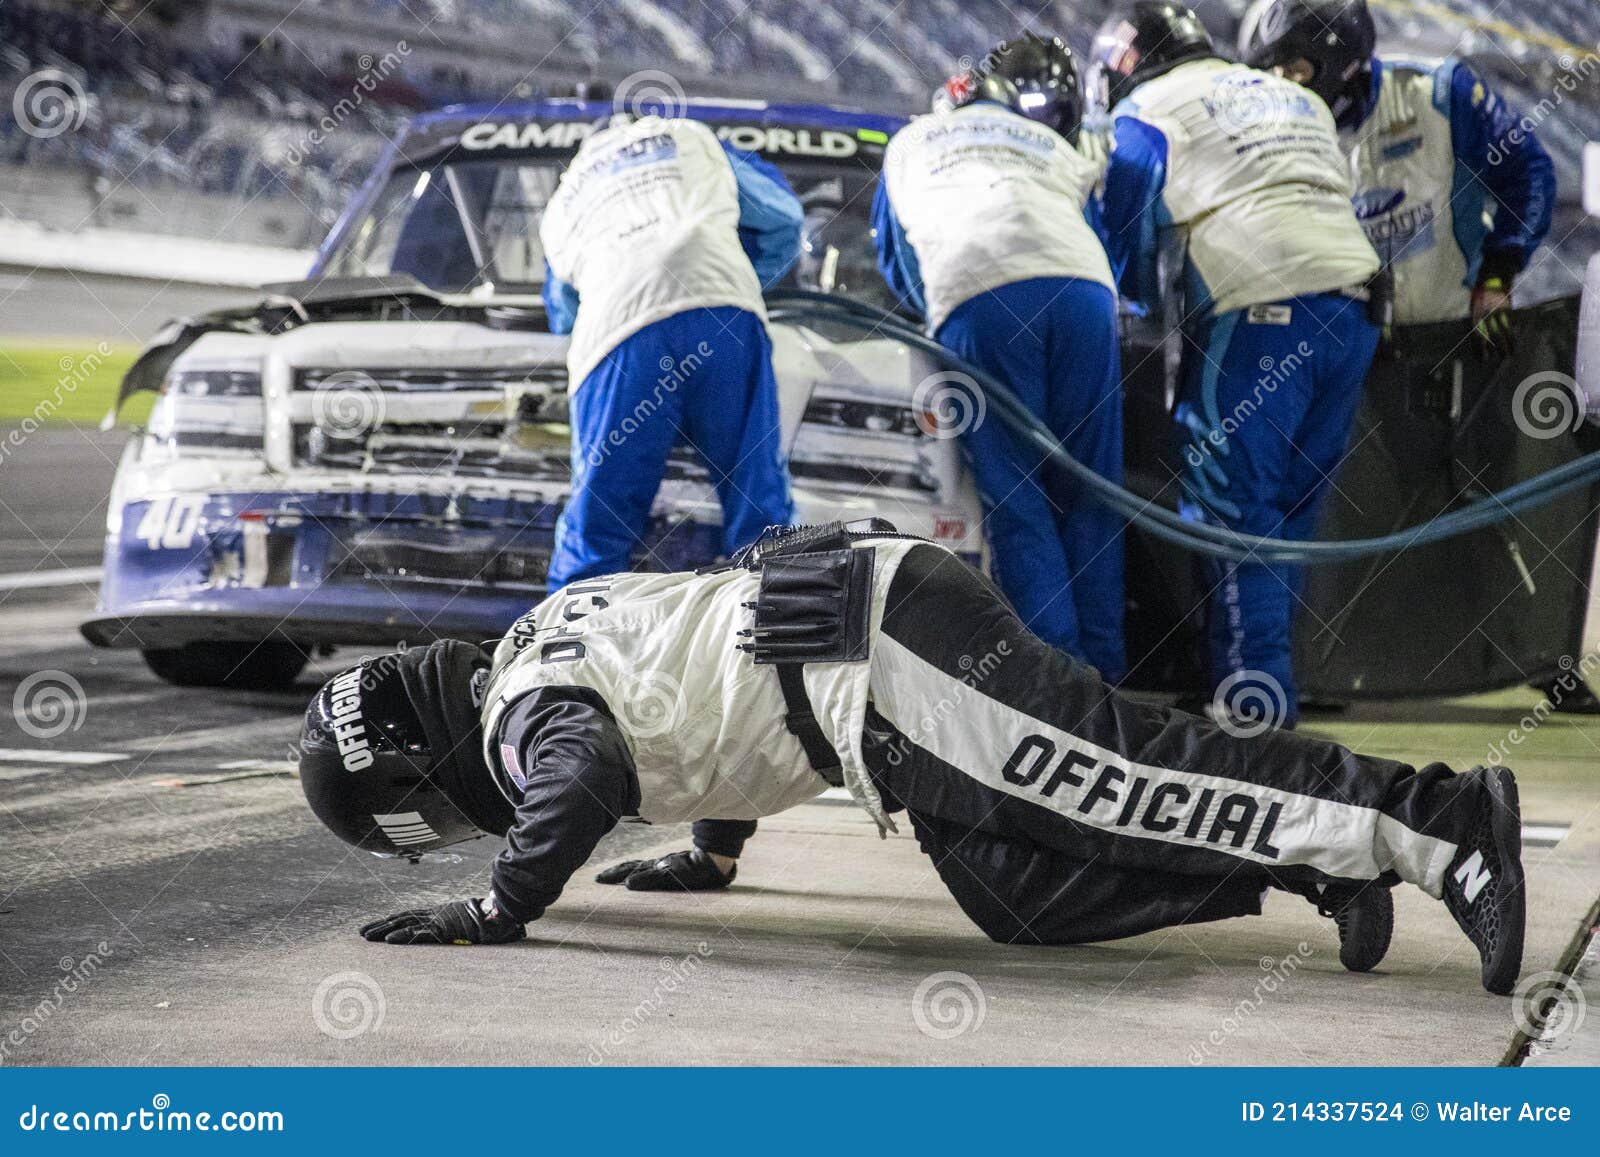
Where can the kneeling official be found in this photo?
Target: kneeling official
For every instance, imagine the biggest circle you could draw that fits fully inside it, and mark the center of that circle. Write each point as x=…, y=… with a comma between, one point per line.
x=1055, y=810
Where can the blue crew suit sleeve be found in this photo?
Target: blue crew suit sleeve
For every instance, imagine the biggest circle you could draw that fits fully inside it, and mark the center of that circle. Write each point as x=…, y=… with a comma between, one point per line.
x=560, y=302
x=1492, y=147
x=897, y=260
x=770, y=216
x=1131, y=212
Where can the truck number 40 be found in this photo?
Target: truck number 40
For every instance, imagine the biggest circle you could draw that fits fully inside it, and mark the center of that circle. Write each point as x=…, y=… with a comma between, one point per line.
x=171, y=523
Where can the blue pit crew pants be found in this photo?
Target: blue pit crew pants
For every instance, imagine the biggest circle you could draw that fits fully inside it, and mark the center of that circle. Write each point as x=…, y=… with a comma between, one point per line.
x=1269, y=395
x=1057, y=554
x=704, y=375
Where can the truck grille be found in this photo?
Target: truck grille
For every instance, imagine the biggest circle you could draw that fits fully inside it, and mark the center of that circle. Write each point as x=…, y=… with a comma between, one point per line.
x=459, y=423
x=432, y=379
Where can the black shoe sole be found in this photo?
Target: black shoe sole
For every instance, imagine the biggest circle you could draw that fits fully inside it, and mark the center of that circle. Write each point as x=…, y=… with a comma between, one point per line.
x=1501, y=967
x=1375, y=905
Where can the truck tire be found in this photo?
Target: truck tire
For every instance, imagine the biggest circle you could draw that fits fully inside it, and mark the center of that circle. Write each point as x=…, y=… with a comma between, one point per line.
x=272, y=665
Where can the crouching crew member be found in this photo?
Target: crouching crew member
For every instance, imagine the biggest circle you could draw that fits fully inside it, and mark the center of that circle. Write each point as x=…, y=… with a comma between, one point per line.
x=1055, y=810
x=979, y=222
x=1454, y=192
x=1278, y=341
x=657, y=244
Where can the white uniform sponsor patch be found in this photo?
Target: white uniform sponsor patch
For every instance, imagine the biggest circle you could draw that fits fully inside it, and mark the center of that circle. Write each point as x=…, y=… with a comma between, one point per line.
x=1270, y=315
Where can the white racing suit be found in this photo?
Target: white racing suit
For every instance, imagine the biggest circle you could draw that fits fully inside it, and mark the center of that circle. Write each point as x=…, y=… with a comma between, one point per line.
x=1452, y=187
x=1055, y=810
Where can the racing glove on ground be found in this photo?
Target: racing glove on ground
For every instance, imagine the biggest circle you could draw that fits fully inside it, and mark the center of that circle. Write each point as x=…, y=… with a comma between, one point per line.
x=458, y=922
x=692, y=870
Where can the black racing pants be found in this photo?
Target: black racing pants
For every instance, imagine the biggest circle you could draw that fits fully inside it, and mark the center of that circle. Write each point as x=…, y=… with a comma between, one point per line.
x=1057, y=811
x=724, y=837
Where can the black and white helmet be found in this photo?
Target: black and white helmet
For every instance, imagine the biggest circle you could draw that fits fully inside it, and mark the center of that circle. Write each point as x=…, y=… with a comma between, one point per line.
x=379, y=766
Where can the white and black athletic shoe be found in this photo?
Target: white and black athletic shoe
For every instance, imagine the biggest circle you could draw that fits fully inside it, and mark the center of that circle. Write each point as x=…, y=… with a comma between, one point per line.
x=1364, y=914
x=1483, y=886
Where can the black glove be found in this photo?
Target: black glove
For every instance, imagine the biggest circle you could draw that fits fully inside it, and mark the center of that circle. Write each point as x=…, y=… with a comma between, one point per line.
x=458, y=922
x=688, y=871
x=1491, y=316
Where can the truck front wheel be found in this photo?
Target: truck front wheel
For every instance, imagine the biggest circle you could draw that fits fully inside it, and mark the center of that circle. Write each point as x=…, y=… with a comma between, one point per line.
x=271, y=665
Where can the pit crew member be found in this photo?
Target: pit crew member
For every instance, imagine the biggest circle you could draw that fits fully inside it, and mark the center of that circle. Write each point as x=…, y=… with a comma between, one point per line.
x=657, y=243
x=1245, y=167
x=1055, y=810
x=1454, y=191
x=979, y=224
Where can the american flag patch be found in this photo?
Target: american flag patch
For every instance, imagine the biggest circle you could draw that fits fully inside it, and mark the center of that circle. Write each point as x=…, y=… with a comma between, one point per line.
x=406, y=828
x=512, y=762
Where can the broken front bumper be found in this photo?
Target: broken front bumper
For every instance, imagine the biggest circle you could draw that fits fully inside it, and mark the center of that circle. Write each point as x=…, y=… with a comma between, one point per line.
x=337, y=568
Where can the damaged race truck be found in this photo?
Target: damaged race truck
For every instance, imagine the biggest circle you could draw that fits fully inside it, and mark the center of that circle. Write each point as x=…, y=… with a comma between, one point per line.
x=378, y=454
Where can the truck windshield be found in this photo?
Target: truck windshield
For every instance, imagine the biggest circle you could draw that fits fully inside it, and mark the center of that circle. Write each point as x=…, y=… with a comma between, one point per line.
x=474, y=224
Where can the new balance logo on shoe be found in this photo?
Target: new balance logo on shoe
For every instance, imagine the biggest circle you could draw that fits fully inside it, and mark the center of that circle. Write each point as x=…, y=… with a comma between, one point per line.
x=1473, y=876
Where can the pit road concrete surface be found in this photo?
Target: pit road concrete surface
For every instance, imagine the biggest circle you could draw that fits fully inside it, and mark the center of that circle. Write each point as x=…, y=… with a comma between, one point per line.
x=178, y=904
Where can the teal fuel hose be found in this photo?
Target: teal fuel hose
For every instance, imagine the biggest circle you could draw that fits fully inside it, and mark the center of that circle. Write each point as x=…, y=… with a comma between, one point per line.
x=1201, y=537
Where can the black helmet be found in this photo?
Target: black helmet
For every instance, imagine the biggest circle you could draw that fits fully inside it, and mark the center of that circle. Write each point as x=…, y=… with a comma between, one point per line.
x=1034, y=76
x=1154, y=38
x=391, y=757
x=1336, y=37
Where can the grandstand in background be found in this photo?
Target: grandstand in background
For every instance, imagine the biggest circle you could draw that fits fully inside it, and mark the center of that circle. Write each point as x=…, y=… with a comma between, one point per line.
x=252, y=120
